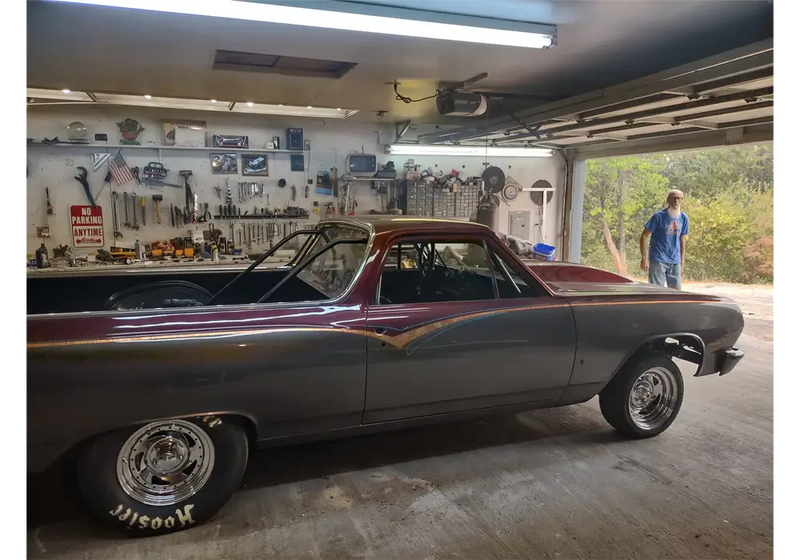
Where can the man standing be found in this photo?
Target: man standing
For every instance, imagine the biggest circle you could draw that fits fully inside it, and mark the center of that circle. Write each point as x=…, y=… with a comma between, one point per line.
x=669, y=228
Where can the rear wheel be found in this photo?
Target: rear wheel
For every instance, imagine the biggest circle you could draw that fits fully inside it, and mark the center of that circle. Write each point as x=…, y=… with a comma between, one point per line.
x=644, y=398
x=164, y=476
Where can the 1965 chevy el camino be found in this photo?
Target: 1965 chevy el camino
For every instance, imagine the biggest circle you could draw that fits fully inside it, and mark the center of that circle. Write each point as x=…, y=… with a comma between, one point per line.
x=159, y=382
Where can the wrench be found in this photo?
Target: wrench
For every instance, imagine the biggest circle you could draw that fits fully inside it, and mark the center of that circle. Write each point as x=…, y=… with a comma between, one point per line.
x=115, y=215
x=135, y=221
x=127, y=223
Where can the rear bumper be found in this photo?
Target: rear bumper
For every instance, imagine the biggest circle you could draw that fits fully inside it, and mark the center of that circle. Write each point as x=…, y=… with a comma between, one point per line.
x=722, y=361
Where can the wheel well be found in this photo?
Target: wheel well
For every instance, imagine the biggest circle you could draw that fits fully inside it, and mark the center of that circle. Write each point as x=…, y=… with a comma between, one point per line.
x=68, y=457
x=684, y=346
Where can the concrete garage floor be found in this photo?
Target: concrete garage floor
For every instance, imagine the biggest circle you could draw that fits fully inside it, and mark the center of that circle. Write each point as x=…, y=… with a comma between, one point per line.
x=547, y=484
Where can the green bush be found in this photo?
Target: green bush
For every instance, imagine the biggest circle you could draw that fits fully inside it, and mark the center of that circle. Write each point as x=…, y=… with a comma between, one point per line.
x=729, y=201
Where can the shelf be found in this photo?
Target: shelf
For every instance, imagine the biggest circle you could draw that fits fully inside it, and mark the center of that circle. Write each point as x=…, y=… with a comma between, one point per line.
x=259, y=217
x=159, y=148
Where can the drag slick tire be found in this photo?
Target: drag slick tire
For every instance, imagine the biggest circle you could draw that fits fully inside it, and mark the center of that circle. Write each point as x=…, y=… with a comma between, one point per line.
x=645, y=396
x=164, y=476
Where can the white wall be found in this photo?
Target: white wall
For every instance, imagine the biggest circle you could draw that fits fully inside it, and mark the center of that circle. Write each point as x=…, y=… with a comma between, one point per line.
x=331, y=141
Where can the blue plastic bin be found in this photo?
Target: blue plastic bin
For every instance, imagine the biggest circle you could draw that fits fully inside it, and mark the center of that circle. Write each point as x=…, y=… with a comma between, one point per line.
x=544, y=252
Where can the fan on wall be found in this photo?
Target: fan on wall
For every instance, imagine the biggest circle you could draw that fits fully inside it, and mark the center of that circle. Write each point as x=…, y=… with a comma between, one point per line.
x=539, y=189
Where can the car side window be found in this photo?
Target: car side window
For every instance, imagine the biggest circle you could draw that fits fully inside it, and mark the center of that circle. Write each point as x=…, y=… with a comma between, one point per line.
x=509, y=283
x=426, y=272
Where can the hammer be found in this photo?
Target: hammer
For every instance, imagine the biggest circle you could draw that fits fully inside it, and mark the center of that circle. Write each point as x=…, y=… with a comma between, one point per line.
x=157, y=198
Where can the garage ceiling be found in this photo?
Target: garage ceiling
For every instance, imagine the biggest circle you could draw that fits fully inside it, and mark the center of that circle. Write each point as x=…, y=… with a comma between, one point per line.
x=723, y=99
x=601, y=43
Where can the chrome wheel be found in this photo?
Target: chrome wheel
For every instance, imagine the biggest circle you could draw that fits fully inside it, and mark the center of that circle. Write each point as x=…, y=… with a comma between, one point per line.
x=653, y=398
x=165, y=462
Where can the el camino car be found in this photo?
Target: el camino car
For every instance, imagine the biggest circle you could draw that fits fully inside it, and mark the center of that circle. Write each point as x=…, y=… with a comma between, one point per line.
x=159, y=382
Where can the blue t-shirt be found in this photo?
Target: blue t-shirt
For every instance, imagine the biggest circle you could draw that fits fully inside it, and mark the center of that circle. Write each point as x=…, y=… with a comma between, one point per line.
x=666, y=233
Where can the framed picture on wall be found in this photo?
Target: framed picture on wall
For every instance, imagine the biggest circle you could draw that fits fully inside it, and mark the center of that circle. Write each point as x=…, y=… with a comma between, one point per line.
x=224, y=164
x=255, y=164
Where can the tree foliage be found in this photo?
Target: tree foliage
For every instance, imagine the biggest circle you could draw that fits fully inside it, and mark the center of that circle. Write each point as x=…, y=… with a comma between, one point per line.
x=728, y=198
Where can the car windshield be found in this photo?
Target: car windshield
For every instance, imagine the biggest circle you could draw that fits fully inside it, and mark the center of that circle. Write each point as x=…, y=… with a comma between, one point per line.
x=332, y=272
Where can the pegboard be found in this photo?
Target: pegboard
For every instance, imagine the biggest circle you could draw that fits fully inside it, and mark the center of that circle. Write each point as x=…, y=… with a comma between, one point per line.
x=331, y=141
x=54, y=167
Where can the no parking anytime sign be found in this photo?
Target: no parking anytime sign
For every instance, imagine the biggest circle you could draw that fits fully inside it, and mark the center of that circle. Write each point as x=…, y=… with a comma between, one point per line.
x=87, y=226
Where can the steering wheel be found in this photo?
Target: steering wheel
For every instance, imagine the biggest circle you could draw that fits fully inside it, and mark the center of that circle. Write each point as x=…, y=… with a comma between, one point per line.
x=166, y=293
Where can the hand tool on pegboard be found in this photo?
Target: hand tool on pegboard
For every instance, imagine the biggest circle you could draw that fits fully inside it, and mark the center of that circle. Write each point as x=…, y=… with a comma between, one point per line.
x=49, y=206
x=157, y=198
x=178, y=216
x=189, y=198
x=144, y=211
x=134, y=200
x=171, y=215
x=98, y=160
x=127, y=223
x=106, y=181
x=82, y=178
x=206, y=216
x=115, y=215
x=135, y=173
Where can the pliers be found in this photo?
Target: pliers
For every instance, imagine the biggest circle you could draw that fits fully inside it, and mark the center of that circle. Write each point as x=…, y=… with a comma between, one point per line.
x=82, y=179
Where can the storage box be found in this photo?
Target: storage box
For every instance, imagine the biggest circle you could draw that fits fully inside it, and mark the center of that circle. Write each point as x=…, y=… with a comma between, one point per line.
x=544, y=252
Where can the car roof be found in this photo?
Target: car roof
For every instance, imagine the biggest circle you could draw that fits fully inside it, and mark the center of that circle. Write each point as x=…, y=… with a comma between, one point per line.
x=381, y=223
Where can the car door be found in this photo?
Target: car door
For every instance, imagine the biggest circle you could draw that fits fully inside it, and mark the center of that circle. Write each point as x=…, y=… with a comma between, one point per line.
x=456, y=326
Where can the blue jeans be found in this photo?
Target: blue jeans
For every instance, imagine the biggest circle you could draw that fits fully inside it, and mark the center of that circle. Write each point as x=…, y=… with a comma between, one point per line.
x=665, y=273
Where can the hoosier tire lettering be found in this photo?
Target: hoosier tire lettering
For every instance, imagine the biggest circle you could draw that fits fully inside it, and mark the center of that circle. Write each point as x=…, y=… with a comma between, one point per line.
x=108, y=494
x=145, y=522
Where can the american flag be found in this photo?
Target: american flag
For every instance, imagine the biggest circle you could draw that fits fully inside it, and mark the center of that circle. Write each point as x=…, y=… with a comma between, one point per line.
x=119, y=169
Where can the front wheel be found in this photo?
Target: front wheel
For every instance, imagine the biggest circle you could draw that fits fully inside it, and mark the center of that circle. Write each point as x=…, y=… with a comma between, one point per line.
x=644, y=398
x=164, y=476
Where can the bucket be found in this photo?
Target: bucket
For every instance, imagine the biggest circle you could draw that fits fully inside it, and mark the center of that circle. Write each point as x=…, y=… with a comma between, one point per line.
x=544, y=252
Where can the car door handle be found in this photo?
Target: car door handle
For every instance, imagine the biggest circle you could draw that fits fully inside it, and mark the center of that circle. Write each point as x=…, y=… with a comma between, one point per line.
x=380, y=330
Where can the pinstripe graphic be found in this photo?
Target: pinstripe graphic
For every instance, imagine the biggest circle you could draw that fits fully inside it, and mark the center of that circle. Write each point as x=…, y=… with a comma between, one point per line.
x=398, y=340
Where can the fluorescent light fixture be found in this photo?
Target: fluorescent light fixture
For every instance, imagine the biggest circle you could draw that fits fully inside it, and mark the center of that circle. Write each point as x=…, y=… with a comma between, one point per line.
x=73, y=97
x=364, y=18
x=189, y=104
x=476, y=151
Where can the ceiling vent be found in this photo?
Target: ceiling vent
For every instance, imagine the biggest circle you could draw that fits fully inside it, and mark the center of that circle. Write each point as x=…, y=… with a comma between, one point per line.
x=278, y=64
